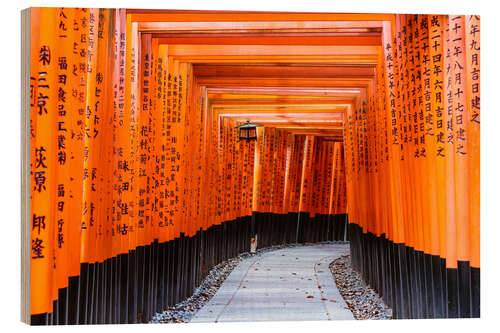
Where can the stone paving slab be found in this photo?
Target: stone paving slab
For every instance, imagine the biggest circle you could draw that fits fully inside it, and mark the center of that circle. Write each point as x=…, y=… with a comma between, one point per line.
x=289, y=284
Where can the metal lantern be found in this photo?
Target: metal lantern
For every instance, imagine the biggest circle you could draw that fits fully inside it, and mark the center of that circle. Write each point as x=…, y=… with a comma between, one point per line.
x=248, y=131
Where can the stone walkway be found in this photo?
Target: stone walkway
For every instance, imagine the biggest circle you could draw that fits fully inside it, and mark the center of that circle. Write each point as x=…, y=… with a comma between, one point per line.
x=284, y=285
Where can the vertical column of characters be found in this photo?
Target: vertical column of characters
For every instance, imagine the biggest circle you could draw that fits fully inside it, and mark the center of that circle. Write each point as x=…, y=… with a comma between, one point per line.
x=388, y=139
x=223, y=167
x=290, y=172
x=374, y=149
x=349, y=157
x=232, y=172
x=332, y=207
x=394, y=151
x=165, y=133
x=265, y=173
x=368, y=180
x=339, y=180
x=252, y=148
x=114, y=91
x=145, y=132
x=365, y=168
x=372, y=168
x=451, y=251
x=187, y=133
x=146, y=152
x=282, y=144
x=460, y=129
x=239, y=181
x=314, y=177
x=230, y=175
x=290, y=141
x=306, y=183
x=462, y=157
x=317, y=174
x=300, y=174
x=76, y=79
x=101, y=119
x=430, y=227
x=331, y=193
x=274, y=165
x=320, y=176
x=250, y=151
x=404, y=71
x=132, y=89
x=417, y=134
x=284, y=163
x=473, y=50
x=240, y=171
x=359, y=157
x=342, y=182
x=155, y=113
x=278, y=192
x=244, y=159
x=43, y=159
x=413, y=138
x=91, y=151
x=381, y=166
x=211, y=175
x=123, y=139
x=357, y=146
x=435, y=26
x=64, y=38
x=224, y=153
x=360, y=168
x=179, y=122
x=217, y=182
x=193, y=144
x=419, y=153
x=335, y=179
x=398, y=134
x=257, y=176
x=326, y=178
x=325, y=203
x=182, y=116
x=265, y=166
x=106, y=34
x=199, y=143
x=194, y=107
x=168, y=147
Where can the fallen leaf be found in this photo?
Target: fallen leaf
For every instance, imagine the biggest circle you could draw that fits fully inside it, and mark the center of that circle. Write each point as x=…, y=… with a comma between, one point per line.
x=310, y=296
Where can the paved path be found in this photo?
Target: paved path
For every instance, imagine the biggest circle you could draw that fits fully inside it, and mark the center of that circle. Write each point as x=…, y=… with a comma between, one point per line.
x=288, y=284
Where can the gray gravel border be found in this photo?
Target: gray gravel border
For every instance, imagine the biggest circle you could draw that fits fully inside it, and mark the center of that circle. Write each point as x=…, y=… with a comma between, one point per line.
x=361, y=299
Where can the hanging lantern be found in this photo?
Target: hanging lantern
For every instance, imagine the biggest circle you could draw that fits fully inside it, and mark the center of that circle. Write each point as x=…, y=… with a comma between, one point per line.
x=248, y=131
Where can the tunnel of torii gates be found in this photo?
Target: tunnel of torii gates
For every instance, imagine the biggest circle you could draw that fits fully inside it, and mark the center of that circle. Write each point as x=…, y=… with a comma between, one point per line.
x=139, y=184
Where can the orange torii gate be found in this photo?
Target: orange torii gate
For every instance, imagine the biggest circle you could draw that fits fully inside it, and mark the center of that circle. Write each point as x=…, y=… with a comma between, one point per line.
x=139, y=184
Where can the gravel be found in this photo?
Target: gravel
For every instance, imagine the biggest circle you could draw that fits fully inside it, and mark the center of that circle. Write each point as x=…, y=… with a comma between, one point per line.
x=362, y=300
x=185, y=310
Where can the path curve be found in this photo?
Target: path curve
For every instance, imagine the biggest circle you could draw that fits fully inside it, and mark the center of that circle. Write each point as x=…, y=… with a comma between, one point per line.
x=288, y=284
